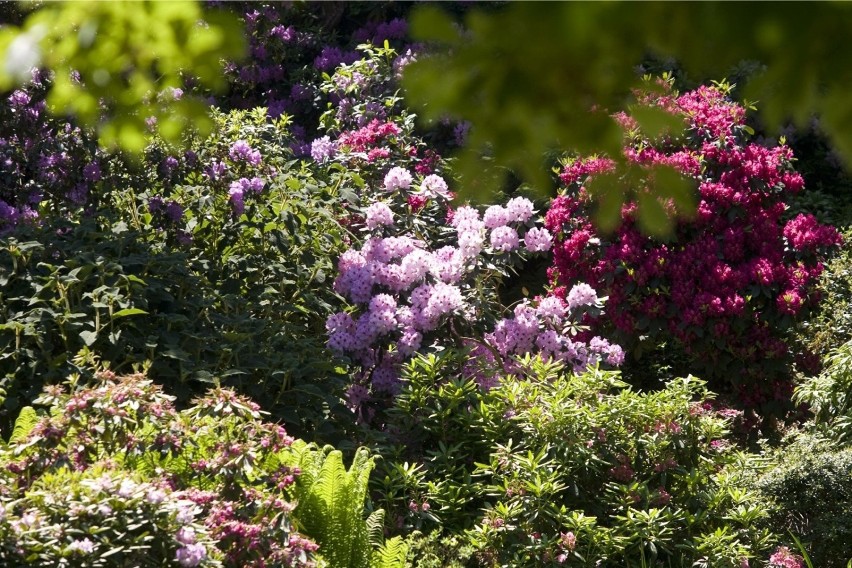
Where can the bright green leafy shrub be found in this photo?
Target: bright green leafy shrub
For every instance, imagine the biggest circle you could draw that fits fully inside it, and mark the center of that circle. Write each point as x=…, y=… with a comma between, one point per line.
x=831, y=324
x=829, y=394
x=564, y=468
x=331, y=504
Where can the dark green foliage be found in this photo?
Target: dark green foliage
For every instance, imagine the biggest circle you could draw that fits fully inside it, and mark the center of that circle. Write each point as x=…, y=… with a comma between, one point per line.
x=528, y=75
x=212, y=299
x=810, y=489
x=434, y=550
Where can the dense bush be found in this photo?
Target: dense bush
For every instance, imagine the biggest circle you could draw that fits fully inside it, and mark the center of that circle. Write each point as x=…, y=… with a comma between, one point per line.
x=113, y=476
x=48, y=166
x=730, y=281
x=217, y=271
x=810, y=492
x=830, y=324
x=829, y=394
x=559, y=468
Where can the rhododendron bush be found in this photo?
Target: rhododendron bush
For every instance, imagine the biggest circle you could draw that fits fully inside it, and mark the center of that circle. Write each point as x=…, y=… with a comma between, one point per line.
x=731, y=279
x=423, y=272
x=418, y=283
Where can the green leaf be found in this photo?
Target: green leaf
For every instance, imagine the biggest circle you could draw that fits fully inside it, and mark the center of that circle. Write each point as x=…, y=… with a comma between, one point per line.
x=128, y=312
x=24, y=424
x=655, y=121
x=607, y=191
x=89, y=337
x=652, y=217
x=430, y=23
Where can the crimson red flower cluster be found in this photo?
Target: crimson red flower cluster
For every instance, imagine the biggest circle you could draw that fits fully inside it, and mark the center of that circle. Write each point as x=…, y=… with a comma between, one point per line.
x=733, y=277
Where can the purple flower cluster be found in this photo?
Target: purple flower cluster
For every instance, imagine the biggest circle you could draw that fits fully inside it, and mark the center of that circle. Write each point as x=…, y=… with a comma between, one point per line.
x=398, y=178
x=323, y=149
x=43, y=159
x=406, y=290
x=242, y=152
x=545, y=329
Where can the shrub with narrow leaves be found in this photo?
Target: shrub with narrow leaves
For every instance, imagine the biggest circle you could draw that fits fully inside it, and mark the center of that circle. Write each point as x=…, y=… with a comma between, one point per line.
x=560, y=468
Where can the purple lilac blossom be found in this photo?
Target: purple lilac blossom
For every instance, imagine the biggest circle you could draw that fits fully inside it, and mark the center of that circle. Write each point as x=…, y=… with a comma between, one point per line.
x=538, y=240
x=191, y=555
x=581, y=295
x=496, y=216
x=519, y=209
x=185, y=535
x=236, y=197
x=92, y=172
x=433, y=185
x=84, y=546
x=242, y=152
x=504, y=239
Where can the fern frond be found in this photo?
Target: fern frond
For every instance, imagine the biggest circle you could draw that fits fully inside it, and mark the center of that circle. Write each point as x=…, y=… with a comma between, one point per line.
x=392, y=554
x=24, y=424
x=376, y=527
x=330, y=504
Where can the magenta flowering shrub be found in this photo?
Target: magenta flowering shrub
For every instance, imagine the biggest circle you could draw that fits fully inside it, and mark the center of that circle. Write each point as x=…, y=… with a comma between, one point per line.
x=728, y=283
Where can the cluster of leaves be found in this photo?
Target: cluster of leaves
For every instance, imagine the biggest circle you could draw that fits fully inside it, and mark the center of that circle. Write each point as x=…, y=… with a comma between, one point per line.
x=830, y=324
x=167, y=271
x=723, y=286
x=535, y=77
x=808, y=492
x=560, y=468
x=123, y=63
x=829, y=394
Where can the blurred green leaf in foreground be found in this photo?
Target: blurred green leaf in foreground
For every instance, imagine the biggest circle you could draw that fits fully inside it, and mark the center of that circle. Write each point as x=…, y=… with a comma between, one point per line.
x=121, y=67
x=534, y=78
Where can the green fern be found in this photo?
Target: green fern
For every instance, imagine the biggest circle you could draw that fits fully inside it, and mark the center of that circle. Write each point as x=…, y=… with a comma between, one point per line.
x=25, y=423
x=392, y=554
x=331, y=504
x=376, y=527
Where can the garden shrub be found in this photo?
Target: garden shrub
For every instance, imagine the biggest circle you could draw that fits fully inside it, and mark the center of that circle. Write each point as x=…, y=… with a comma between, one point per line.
x=809, y=490
x=728, y=283
x=830, y=324
x=217, y=272
x=829, y=394
x=420, y=273
x=48, y=166
x=561, y=468
x=113, y=475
